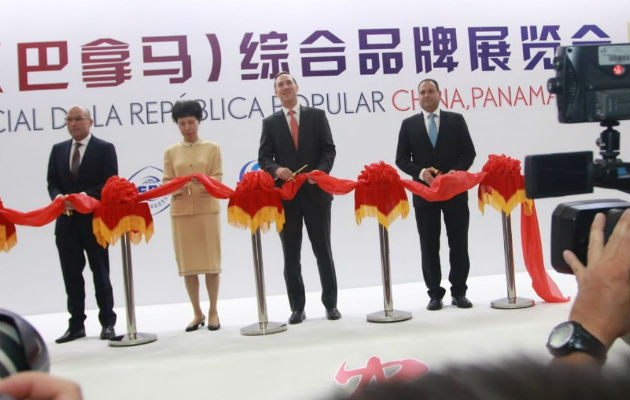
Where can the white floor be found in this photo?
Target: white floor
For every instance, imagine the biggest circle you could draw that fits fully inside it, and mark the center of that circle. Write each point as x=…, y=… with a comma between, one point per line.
x=302, y=362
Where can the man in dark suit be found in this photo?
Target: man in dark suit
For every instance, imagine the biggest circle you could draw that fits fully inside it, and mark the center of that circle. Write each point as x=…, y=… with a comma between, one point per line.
x=82, y=165
x=291, y=138
x=431, y=143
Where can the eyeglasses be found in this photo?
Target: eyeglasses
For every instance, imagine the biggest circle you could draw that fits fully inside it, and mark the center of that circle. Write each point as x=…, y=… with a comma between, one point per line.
x=75, y=119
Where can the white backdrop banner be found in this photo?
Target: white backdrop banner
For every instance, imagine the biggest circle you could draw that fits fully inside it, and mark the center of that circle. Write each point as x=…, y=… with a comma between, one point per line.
x=129, y=61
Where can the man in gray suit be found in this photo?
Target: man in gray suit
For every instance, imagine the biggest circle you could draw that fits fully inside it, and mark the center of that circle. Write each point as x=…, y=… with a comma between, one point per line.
x=291, y=138
x=429, y=143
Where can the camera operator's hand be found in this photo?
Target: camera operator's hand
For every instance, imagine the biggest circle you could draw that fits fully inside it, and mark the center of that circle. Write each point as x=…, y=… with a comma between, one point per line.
x=602, y=304
x=39, y=386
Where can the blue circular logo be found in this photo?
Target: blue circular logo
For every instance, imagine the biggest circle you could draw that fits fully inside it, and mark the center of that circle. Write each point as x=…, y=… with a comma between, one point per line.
x=248, y=167
x=150, y=178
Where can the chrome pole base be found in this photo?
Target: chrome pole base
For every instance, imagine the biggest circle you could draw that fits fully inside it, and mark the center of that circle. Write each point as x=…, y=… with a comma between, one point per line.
x=263, y=328
x=389, y=316
x=128, y=340
x=510, y=304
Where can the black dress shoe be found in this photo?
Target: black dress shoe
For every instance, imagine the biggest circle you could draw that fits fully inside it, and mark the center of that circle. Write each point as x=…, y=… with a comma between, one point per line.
x=461, y=302
x=297, y=317
x=71, y=334
x=333, y=314
x=214, y=327
x=434, y=304
x=195, y=326
x=108, y=333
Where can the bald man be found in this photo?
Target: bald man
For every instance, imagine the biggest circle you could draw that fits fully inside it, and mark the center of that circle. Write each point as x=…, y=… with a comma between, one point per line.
x=82, y=164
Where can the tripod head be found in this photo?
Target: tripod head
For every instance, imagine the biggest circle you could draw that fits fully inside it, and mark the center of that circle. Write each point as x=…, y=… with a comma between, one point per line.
x=608, y=141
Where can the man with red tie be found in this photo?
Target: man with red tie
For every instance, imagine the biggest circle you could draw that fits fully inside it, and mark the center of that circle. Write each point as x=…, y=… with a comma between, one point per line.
x=291, y=138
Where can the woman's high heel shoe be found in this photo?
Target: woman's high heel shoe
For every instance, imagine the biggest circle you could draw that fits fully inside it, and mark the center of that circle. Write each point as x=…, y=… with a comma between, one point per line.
x=195, y=326
x=214, y=327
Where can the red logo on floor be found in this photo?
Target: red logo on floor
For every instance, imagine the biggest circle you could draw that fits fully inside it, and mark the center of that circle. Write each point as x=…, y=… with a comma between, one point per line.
x=379, y=372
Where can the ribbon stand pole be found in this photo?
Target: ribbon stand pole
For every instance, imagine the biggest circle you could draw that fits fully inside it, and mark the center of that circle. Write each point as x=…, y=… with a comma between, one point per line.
x=388, y=314
x=510, y=302
x=263, y=327
x=132, y=338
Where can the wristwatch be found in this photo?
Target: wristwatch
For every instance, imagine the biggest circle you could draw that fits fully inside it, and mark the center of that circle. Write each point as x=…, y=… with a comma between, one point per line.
x=570, y=336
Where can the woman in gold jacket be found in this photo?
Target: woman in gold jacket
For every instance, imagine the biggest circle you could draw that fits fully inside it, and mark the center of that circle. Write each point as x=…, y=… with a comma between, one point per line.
x=194, y=212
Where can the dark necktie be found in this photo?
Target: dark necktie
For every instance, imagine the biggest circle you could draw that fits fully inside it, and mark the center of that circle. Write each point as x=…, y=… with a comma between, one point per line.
x=76, y=161
x=294, y=128
x=433, y=131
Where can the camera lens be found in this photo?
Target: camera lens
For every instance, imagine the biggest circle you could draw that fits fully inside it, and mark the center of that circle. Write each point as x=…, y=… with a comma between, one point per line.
x=11, y=352
x=21, y=346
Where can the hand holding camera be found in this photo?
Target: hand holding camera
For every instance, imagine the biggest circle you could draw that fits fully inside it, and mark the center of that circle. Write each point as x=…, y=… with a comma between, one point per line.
x=602, y=304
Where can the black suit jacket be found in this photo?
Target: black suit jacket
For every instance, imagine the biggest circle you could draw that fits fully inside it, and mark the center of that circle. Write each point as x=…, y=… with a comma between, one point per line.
x=98, y=164
x=454, y=149
x=315, y=147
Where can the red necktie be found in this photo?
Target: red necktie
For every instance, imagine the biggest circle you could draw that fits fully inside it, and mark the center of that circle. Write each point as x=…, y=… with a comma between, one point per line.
x=294, y=128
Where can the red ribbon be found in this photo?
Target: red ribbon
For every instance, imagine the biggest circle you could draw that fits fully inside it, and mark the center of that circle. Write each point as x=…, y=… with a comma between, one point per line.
x=503, y=189
x=257, y=203
x=378, y=186
x=8, y=236
x=445, y=186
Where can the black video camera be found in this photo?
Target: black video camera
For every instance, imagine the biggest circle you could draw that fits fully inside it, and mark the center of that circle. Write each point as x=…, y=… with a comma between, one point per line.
x=592, y=84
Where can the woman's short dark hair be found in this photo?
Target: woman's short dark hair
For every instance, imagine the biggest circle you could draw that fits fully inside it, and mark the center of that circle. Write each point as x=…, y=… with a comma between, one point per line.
x=186, y=108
